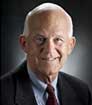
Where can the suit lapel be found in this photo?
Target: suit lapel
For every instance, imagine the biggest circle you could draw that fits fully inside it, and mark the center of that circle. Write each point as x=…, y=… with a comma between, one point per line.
x=25, y=95
x=67, y=95
x=24, y=92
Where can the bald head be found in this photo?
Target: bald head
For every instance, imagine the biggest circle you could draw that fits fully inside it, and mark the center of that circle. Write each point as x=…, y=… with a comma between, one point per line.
x=48, y=12
x=47, y=40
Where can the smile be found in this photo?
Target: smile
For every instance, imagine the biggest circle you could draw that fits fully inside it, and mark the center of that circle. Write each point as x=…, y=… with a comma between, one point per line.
x=49, y=59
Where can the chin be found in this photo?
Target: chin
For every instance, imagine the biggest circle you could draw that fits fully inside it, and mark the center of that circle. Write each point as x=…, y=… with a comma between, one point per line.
x=51, y=71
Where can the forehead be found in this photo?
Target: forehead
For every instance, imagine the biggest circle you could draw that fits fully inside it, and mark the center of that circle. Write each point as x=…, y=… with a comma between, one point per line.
x=50, y=21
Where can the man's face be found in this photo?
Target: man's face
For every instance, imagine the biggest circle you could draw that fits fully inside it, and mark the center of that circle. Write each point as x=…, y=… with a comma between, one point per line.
x=48, y=43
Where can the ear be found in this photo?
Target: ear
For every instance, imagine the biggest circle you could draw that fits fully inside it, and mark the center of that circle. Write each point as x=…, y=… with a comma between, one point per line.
x=23, y=42
x=72, y=42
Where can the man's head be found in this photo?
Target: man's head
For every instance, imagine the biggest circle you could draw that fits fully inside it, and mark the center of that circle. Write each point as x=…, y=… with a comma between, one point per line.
x=47, y=39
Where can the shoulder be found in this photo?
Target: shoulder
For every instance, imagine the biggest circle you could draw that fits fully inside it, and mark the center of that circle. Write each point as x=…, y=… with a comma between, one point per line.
x=77, y=86
x=73, y=81
x=19, y=70
x=9, y=81
x=7, y=88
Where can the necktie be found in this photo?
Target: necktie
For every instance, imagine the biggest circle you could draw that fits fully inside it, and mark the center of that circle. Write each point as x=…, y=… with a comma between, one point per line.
x=51, y=96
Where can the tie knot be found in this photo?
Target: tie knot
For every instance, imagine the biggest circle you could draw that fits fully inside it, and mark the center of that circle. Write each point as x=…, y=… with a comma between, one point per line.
x=50, y=89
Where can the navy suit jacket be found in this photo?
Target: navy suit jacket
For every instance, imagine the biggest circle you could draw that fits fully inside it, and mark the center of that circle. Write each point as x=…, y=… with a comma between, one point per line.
x=16, y=89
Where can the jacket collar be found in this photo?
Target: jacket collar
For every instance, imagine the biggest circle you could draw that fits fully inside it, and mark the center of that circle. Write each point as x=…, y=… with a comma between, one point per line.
x=67, y=94
x=24, y=93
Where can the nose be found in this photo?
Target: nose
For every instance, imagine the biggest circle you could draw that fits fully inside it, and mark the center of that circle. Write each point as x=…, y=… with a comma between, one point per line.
x=49, y=48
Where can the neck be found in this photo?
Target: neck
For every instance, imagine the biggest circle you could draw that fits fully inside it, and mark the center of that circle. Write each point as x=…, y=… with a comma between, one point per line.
x=46, y=78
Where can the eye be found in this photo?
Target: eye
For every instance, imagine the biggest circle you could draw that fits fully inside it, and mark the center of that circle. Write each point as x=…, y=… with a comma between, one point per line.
x=40, y=39
x=58, y=41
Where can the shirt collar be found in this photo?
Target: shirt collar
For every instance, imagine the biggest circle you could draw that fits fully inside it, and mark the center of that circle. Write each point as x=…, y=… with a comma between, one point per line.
x=41, y=86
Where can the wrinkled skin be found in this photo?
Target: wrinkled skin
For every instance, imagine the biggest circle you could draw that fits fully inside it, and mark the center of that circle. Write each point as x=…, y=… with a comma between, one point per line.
x=47, y=44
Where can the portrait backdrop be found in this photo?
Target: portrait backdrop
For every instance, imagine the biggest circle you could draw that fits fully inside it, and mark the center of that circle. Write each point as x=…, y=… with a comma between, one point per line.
x=13, y=14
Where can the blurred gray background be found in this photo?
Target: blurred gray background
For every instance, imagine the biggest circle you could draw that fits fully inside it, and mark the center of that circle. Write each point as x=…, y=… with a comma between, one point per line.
x=13, y=13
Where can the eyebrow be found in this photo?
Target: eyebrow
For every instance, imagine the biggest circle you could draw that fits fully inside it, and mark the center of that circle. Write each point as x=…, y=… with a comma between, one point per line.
x=42, y=35
x=60, y=36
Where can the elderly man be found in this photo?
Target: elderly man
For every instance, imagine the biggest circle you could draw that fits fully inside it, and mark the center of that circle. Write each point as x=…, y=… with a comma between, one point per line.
x=47, y=41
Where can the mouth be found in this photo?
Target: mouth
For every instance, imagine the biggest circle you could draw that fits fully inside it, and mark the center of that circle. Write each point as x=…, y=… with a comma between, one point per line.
x=50, y=59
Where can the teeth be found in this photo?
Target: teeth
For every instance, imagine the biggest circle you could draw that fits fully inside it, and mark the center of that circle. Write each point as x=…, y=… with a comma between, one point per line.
x=49, y=59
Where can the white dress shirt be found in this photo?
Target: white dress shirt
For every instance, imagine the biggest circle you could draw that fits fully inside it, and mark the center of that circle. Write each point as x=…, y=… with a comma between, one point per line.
x=39, y=88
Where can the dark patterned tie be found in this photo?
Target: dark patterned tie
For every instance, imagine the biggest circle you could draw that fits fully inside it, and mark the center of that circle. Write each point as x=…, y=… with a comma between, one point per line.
x=51, y=96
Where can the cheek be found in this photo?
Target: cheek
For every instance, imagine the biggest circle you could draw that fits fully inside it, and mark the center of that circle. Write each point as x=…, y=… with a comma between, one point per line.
x=32, y=56
x=32, y=49
x=63, y=50
x=31, y=53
